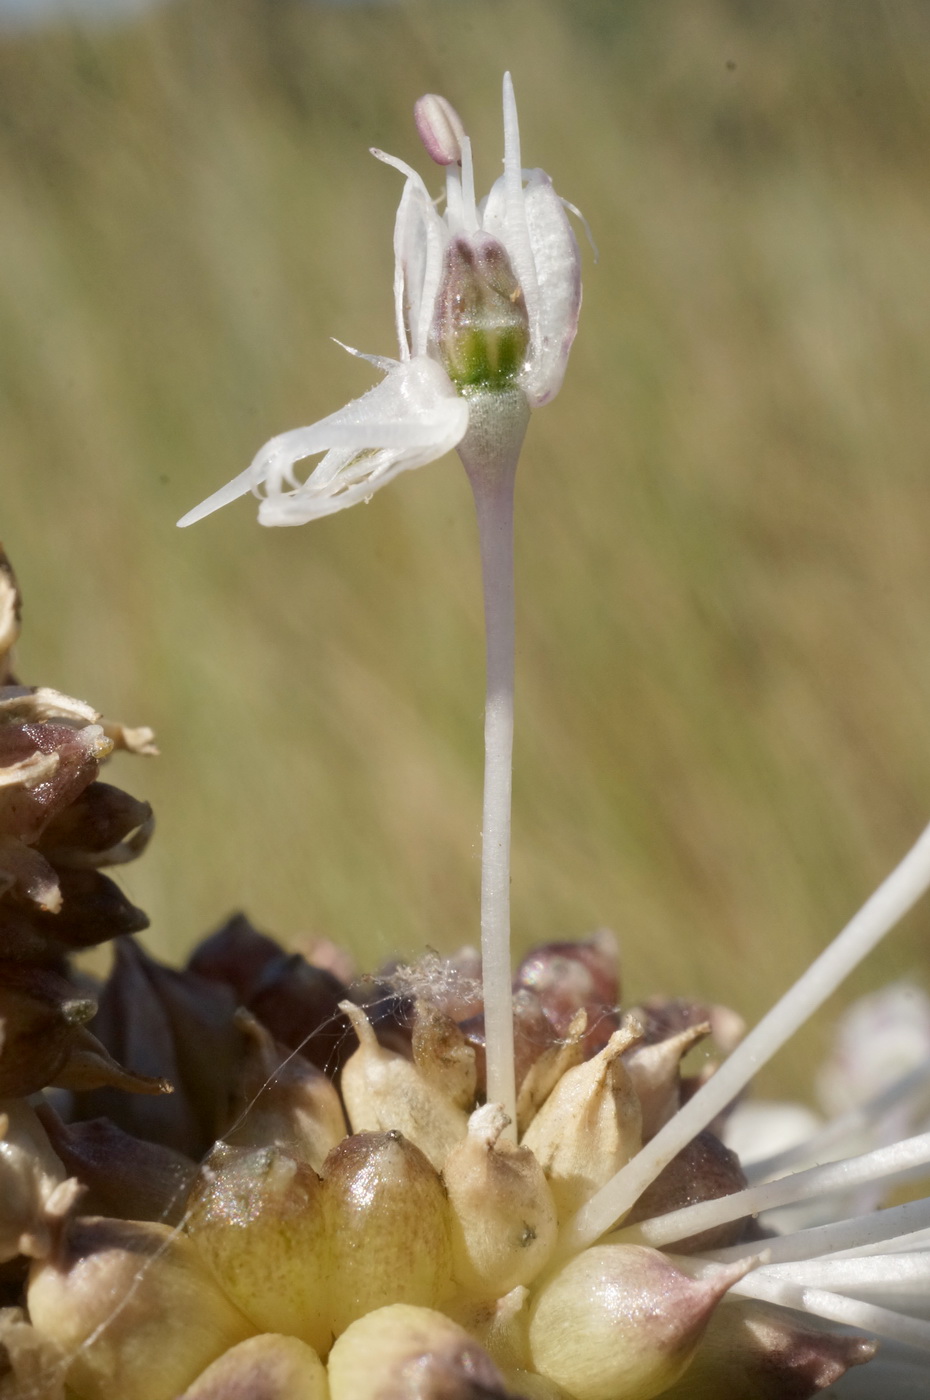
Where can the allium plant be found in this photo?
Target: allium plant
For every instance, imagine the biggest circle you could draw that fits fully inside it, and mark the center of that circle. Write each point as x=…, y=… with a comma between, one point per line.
x=486, y=300
x=447, y=1184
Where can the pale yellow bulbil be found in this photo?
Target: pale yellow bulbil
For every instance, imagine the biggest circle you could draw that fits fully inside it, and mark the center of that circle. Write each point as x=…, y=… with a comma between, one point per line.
x=503, y=1216
x=285, y=1101
x=387, y=1219
x=544, y=1073
x=499, y=1324
x=383, y=1091
x=590, y=1125
x=620, y=1322
x=407, y=1351
x=268, y=1367
x=656, y=1076
x=256, y=1219
x=134, y=1307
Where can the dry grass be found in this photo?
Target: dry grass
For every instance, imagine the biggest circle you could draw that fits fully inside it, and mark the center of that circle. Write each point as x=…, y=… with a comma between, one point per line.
x=724, y=572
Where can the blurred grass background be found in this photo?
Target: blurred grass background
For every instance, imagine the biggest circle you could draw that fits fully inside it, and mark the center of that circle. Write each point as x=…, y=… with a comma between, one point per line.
x=723, y=563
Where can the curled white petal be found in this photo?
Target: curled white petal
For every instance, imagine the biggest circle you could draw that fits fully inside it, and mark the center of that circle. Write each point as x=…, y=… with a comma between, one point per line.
x=412, y=417
x=420, y=237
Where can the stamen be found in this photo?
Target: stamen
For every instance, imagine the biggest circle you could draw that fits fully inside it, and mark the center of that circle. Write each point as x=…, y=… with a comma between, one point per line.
x=240, y=485
x=469, y=208
x=890, y=902
x=901, y=1244
x=402, y=224
x=382, y=362
x=440, y=128
x=573, y=209
x=455, y=208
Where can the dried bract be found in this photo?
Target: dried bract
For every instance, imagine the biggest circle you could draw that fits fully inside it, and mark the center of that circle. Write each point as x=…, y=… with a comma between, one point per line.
x=755, y=1352
x=31, y=1367
x=34, y=1194
x=10, y=612
x=124, y=1176
x=443, y=1056
x=174, y=1026
x=702, y=1171
x=282, y=1100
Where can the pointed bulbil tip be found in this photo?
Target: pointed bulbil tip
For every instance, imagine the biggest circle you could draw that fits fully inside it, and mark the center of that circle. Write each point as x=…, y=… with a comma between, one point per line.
x=440, y=128
x=754, y=1349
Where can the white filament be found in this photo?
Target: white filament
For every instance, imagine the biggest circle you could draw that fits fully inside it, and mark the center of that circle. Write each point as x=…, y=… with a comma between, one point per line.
x=897, y=1162
x=899, y=1224
x=890, y=902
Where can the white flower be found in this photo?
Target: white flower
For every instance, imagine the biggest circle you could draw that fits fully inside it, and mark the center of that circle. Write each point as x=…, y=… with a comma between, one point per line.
x=486, y=299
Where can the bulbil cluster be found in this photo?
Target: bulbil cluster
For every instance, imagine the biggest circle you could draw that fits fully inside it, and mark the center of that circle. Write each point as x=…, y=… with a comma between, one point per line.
x=325, y=1207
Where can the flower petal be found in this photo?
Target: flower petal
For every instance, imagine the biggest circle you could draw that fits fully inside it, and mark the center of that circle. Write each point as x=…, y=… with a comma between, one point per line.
x=412, y=417
x=240, y=485
x=504, y=212
x=530, y=220
x=558, y=280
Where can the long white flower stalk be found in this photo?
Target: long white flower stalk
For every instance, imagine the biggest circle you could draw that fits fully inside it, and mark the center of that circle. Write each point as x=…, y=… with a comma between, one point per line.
x=486, y=301
x=492, y=484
